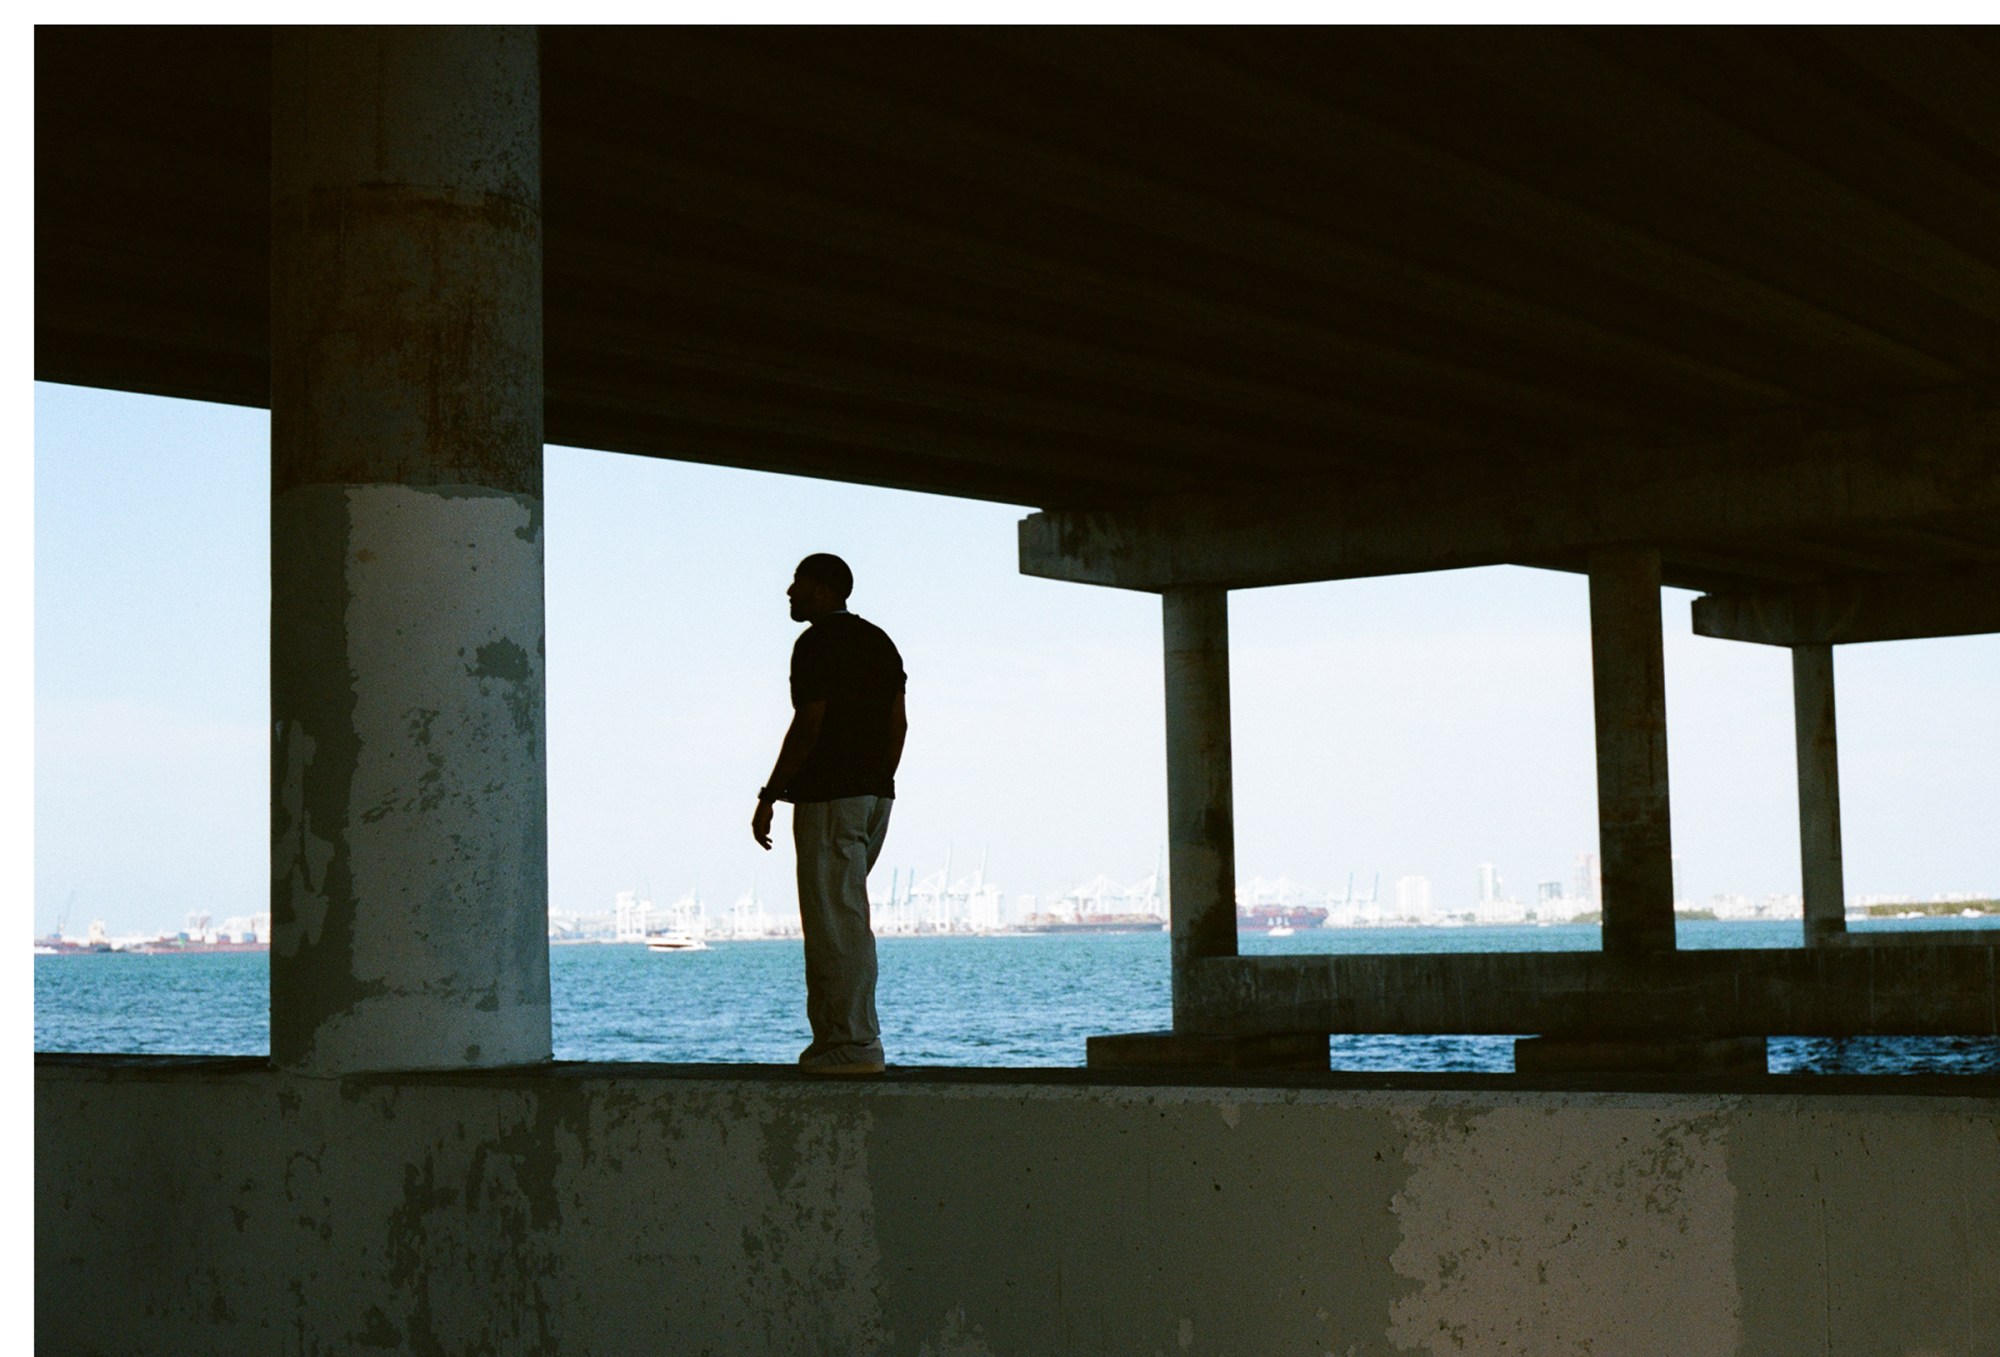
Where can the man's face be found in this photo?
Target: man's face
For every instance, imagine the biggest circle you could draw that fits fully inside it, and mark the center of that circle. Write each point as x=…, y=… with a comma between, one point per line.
x=810, y=599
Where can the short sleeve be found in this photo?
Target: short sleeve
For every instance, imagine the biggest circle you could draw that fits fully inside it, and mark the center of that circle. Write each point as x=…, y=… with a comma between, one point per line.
x=812, y=670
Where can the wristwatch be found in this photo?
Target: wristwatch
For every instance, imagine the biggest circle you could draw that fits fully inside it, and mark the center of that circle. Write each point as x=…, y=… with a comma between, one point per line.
x=765, y=794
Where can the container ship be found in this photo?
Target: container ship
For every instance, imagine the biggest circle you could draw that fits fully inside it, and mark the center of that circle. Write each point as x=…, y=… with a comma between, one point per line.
x=1092, y=923
x=1253, y=918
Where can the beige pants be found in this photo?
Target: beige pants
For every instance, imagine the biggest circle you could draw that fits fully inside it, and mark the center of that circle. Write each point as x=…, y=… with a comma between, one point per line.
x=837, y=844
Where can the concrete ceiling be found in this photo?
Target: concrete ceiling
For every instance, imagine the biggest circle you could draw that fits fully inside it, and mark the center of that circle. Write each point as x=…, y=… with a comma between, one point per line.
x=1125, y=274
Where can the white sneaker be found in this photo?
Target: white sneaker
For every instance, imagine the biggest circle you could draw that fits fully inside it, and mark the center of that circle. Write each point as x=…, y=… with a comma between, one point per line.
x=835, y=1062
x=845, y=1067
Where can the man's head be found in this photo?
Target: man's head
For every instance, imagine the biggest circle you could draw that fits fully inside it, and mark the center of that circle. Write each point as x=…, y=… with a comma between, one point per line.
x=820, y=586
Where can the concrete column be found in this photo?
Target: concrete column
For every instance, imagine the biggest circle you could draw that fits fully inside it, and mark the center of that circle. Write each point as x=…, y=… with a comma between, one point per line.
x=1201, y=818
x=409, y=808
x=1819, y=794
x=1628, y=672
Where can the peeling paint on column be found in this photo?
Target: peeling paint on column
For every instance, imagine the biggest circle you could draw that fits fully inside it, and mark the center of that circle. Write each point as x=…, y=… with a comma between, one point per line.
x=313, y=755
x=1540, y=1231
x=303, y=854
x=434, y=795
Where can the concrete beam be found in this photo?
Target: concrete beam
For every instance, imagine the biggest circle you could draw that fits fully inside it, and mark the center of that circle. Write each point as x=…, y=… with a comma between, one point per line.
x=1944, y=990
x=1867, y=608
x=1929, y=471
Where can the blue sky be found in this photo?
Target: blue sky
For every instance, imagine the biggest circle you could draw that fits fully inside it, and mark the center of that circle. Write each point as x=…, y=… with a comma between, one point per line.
x=1422, y=724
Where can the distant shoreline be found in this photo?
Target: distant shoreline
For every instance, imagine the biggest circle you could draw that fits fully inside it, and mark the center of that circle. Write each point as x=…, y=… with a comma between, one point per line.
x=1914, y=909
x=1931, y=909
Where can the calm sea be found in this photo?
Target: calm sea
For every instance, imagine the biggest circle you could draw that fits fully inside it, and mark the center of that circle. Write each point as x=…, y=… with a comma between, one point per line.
x=1002, y=1000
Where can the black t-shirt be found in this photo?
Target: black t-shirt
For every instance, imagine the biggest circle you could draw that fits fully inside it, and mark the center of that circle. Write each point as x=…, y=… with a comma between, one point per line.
x=853, y=667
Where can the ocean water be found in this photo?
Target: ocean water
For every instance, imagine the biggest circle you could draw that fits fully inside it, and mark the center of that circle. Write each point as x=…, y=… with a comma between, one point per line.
x=1005, y=1000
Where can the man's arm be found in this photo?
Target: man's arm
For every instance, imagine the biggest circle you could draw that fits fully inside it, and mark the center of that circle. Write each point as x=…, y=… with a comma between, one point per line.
x=800, y=737
x=899, y=726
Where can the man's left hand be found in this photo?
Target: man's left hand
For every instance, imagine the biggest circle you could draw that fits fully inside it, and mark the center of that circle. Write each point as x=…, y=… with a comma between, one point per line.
x=760, y=825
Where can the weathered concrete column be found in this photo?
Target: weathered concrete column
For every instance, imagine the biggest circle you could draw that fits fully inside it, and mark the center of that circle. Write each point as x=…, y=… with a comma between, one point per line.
x=1819, y=794
x=409, y=791
x=1628, y=672
x=1201, y=817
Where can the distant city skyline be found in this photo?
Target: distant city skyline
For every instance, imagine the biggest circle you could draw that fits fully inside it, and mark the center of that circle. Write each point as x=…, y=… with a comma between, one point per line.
x=1415, y=726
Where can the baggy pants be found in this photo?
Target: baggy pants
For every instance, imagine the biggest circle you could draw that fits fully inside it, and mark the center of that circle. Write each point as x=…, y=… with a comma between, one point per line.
x=837, y=843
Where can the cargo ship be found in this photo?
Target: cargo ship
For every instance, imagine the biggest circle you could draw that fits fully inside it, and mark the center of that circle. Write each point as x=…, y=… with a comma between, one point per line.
x=1264, y=918
x=1092, y=923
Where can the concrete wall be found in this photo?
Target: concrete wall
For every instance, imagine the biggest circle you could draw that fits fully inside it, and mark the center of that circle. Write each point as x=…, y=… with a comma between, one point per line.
x=215, y=1206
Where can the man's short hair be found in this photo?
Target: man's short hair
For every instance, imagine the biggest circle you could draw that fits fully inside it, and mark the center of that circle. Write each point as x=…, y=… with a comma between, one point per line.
x=826, y=568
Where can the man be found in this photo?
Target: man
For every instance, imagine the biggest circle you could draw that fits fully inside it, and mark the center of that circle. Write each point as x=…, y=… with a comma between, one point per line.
x=837, y=767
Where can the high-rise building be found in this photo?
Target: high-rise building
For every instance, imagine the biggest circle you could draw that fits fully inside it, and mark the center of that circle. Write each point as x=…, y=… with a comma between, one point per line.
x=1490, y=886
x=633, y=917
x=1588, y=885
x=1413, y=897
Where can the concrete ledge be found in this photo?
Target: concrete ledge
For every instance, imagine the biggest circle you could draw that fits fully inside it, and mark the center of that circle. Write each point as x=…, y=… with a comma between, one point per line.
x=1183, y=1050
x=1711, y=1055
x=221, y=1207
x=1031, y=1079
x=1948, y=989
x=1912, y=937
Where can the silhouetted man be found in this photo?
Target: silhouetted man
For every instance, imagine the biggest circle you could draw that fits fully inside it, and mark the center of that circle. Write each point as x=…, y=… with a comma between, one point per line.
x=837, y=767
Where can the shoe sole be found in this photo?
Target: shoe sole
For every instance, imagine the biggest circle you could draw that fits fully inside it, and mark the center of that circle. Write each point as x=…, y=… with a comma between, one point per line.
x=841, y=1069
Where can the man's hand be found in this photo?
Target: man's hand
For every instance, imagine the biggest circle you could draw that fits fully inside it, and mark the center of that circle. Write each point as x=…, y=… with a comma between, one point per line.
x=800, y=737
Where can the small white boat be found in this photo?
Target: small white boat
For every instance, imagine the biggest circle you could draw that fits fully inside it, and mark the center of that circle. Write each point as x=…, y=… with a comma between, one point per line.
x=1280, y=931
x=675, y=942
